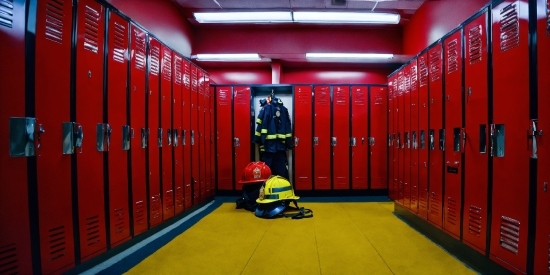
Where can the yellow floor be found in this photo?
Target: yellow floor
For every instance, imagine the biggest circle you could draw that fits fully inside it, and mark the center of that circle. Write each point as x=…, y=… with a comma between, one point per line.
x=341, y=238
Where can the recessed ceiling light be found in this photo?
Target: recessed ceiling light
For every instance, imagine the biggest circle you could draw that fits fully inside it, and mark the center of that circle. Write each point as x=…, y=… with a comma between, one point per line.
x=229, y=57
x=346, y=17
x=349, y=55
x=243, y=17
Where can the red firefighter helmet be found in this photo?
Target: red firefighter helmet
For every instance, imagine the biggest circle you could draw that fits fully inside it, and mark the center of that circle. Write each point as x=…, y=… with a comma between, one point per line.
x=255, y=172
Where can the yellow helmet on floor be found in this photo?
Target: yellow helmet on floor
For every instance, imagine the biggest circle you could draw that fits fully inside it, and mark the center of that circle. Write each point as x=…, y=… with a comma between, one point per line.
x=276, y=188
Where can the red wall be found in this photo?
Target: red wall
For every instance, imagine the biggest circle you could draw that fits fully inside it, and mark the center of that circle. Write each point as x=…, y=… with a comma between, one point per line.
x=163, y=19
x=240, y=76
x=434, y=19
x=306, y=76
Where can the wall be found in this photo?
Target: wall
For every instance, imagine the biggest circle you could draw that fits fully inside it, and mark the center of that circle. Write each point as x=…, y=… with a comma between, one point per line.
x=328, y=76
x=434, y=19
x=239, y=75
x=163, y=19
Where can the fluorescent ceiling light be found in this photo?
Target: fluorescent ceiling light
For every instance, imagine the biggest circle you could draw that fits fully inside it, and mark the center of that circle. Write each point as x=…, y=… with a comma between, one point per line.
x=346, y=17
x=243, y=17
x=229, y=57
x=350, y=55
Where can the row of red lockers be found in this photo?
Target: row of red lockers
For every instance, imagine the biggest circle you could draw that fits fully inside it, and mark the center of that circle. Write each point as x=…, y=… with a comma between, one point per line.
x=464, y=156
x=337, y=130
x=147, y=117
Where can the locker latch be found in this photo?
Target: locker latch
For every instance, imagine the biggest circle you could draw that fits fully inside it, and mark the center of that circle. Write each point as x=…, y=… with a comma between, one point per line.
x=22, y=136
x=315, y=141
x=296, y=140
x=352, y=141
x=183, y=137
x=236, y=142
x=545, y=186
x=371, y=141
x=79, y=136
x=126, y=136
x=176, y=138
x=408, y=139
x=103, y=135
x=497, y=140
x=159, y=138
x=169, y=137
x=333, y=141
x=192, y=137
x=442, y=139
x=143, y=138
x=532, y=134
x=389, y=140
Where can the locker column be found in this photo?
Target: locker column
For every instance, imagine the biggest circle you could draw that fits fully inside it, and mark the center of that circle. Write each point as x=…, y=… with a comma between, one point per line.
x=186, y=134
x=200, y=134
x=177, y=130
x=195, y=135
x=224, y=135
x=359, y=137
x=413, y=135
x=303, y=117
x=423, y=138
x=378, y=129
x=321, y=138
x=406, y=136
x=401, y=135
x=167, y=188
x=241, y=132
x=340, y=137
x=390, y=138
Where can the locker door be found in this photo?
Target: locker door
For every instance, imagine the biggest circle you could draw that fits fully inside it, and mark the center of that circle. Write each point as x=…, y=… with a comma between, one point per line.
x=391, y=167
x=303, y=117
x=54, y=189
x=436, y=136
x=510, y=205
x=396, y=144
x=167, y=186
x=401, y=135
x=153, y=128
x=195, y=135
x=224, y=142
x=208, y=136
x=138, y=146
x=413, y=135
x=14, y=213
x=423, y=141
x=186, y=134
x=542, y=239
x=177, y=128
x=117, y=81
x=200, y=128
x=241, y=131
x=340, y=138
x=321, y=138
x=359, y=137
x=212, y=142
x=89, y=114
x=406, y=136
x=476, y=173
x=454, y=141
x=378, y=130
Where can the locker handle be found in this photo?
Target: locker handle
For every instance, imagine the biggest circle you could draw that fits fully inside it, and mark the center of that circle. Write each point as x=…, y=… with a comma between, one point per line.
x=143, y=138
x=463, y=134
x=532, y=134
x=296, y=140
x=236, y=142
x=192, y=137
x=315, y=141
x=126, y=135
x=352, y=141
x=333, y=141
x=78, y=136
x=22, y=137
x=169, y=136
x=545, y=186
x=183, y=137
x=372, y=141
x=100, y=137
x=389, y=140
x=362, y=141
x=176, y=138
x=108, y=132
x=159, y=138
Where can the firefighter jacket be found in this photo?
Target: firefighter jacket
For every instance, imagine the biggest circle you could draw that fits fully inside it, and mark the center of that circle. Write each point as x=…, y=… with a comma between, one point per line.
x=274, y=130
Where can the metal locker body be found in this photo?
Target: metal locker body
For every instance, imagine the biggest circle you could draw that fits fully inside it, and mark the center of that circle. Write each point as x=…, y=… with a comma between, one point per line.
x=117, y=77
x=241, y=131
x=154, y=131
x=378, y=130
x=208, y=136
x=166, y=102
x=177, y=130
x=14, y=213
x=321, y=138
x=406, y=136
x=186, y=134
x=395, y=144
x=138, y=141
x=476, y=149
x=510, y=204
x=200, y=104
x=454, y=141
x=401, y=135
x=195, y=134
x=212, y=141
x=435, y=214
x=423, y=142
x=414, y=135
x=359, y=137
x=55, y=214
x=89, y=113
x=303, y=134
x=340, y=137
x=542, y=238
x=390, y=138
x=224, y=142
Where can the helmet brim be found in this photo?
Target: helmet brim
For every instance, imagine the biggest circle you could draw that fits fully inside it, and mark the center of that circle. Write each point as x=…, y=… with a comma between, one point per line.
x=252, y=181
x=265, y=201
x=269, y=210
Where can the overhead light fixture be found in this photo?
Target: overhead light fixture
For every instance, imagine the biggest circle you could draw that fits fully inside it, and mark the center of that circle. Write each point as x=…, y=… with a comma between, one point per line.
x=346, y=17
x=349, y=55
x=243, y=17
x=229, y=57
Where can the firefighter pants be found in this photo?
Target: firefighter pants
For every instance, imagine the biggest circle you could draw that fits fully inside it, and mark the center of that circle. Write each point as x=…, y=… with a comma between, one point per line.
x=277, y=163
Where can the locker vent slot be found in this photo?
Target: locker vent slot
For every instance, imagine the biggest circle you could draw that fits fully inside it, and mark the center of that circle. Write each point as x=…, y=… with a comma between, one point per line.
x=423, y=71
x=400, y=83
x=194, y=80
x=92, y=230
x=179, y=197
x=240, y=98
x=167, y=66
x=451, y=211
x=140, y=50
x=155, y=60
x=407, y=84
x=359, y=99
x=223, y=98
x=475, y=44
x=155, y=207
x=169, y=200
x=8, y=259
x=340, y=97
x=423, y=200
x=119, y=221
x=57, y=243
x=140, y=212
x=434, y=204
x=54, y=21
x=509, y=27
x=414, y=77
x=6, y=14
x=474, y=220
x=91, y=26
x=120, y=47
x=452, y=56
x=509, y=234
x=178, y=70
x=435, y=65
x=303, y=99
x=186, y=75
x=323, y=97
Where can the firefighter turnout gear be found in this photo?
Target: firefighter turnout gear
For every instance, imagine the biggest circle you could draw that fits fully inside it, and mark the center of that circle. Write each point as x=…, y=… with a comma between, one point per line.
x=275, y=197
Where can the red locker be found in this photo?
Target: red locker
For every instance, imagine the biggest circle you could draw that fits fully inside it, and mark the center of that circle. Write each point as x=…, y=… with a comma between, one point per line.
x=200, y=129
x=302, y=157
x=476, y=155
x=177, y=128
x=186, y=134
x=321, y=138
x=423, y=141
x=395, y=141
x=510, y=205
x=454, y=142
x=413, y=135
x=359, y=137
x=166, y=102
x=53, y=49
x=406, y=136
x=241, y=131
x=212, y=142
x=542, y=239
x=208, y=135
x=195, y=135
x=89, y=115
x=401, y=135
x=436, y=136
x=154, y=130
x=138, y=143
x=390, y=138
x=378, y=130
x=117, y=81
x=15, y=239
x=224, y=142
x=340, y=137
